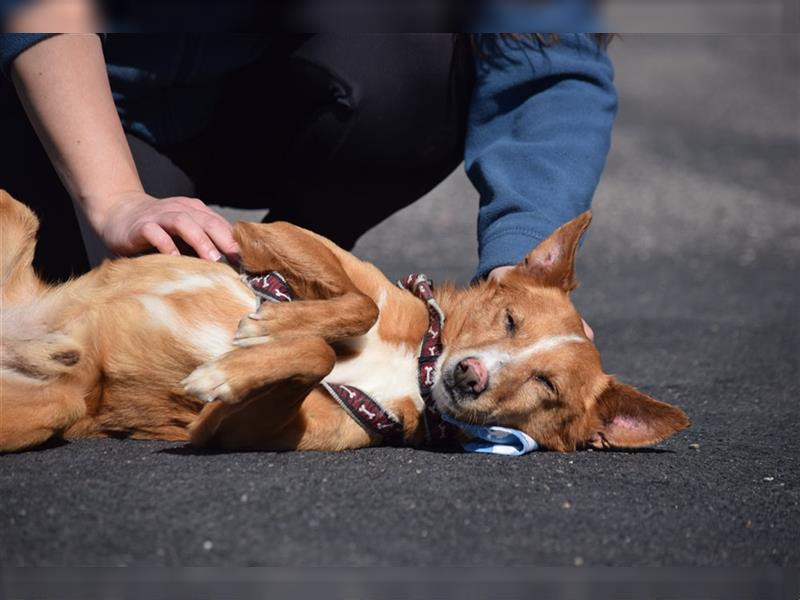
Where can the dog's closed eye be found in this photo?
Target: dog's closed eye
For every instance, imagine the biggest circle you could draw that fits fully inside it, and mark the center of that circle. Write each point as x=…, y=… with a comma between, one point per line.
x=545, y=381
x=511, y=324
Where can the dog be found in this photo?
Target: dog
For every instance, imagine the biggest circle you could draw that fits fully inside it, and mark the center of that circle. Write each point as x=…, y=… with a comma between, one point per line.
x=176, y=348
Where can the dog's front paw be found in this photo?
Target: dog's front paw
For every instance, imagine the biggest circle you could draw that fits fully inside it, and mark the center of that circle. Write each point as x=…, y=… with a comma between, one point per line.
x=253, y=329
x=208, y=382
x=273, y=320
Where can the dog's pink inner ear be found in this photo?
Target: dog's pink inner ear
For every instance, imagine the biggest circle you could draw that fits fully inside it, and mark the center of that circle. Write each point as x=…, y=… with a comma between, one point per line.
x=627, y=418
x=552, y=262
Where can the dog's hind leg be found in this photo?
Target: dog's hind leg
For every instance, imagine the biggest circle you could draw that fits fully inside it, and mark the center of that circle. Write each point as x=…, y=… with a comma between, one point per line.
x=33, y=412
x=38, y=397
x=255, y=392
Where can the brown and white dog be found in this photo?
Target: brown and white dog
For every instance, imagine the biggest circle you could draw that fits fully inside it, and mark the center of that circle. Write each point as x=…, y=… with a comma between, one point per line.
x=159, y=347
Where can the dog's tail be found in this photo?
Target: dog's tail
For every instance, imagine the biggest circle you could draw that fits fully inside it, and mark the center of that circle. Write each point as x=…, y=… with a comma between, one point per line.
x=18, y=227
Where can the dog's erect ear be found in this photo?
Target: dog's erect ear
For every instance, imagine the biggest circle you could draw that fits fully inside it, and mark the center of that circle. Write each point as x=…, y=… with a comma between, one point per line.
x=552, y=262
x=626, y=418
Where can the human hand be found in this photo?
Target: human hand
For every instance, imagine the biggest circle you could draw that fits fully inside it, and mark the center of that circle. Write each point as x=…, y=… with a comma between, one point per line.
x=136, y=221
x=498, y=273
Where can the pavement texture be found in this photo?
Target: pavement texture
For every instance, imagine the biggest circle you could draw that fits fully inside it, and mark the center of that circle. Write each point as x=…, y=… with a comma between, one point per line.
x=690, y=279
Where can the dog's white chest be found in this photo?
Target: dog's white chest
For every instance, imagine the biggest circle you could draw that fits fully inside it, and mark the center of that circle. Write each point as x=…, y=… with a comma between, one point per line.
x=383, y=371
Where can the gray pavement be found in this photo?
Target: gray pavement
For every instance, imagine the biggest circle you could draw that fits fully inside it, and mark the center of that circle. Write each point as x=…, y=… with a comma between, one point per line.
x=690, y=280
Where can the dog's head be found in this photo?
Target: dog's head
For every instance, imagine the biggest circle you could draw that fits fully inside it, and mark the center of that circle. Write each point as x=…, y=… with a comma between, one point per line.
x=516, y=355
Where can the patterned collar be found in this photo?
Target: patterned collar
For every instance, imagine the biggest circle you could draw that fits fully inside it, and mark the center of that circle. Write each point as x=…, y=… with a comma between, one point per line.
x=359, y=405
x=438, y=432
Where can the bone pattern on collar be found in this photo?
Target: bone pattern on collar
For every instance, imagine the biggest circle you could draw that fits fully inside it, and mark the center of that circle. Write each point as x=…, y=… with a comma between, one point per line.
x=438, y=432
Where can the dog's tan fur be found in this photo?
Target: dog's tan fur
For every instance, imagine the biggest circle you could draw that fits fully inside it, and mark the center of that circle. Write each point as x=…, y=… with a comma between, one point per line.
x=172, y=348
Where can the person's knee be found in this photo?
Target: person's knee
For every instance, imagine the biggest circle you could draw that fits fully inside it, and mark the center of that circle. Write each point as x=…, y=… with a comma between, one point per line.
x=392, y=95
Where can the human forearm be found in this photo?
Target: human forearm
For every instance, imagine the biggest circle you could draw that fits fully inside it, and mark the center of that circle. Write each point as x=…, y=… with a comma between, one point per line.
x=62, y=83
x=539, y=133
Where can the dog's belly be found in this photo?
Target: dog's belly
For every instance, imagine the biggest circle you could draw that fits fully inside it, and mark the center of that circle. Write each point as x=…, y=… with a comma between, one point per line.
x=199, y=310
x=152, y=333
x=385, y=371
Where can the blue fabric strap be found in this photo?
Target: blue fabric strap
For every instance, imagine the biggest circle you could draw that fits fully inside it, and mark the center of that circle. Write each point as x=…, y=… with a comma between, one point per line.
x=494, y=439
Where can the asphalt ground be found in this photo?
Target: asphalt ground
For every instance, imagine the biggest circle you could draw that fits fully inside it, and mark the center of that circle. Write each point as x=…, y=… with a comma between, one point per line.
x=690, y=280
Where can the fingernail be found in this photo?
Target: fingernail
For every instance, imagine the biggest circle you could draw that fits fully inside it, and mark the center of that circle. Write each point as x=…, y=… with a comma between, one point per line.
x=215, y=256
x=175, y=253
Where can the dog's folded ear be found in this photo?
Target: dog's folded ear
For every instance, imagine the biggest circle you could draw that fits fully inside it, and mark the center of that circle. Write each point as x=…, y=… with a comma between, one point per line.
x=552, y=262
x=626, y=418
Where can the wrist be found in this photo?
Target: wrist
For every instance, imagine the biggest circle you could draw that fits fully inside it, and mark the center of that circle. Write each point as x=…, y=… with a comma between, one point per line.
x=100, y=206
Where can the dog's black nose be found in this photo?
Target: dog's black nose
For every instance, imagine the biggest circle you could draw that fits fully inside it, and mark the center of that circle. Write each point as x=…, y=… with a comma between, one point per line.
x=471, y=376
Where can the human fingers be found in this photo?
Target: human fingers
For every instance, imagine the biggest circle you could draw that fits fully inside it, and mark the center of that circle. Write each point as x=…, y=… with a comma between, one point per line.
x=159, y=239
x=184, y=226
x=220, y=232
x=214, y=224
